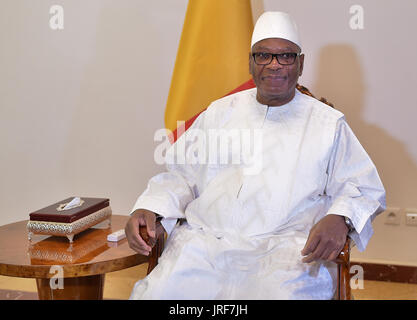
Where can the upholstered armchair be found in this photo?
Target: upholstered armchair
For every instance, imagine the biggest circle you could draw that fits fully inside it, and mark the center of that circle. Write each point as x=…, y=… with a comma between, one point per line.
x=343, y=291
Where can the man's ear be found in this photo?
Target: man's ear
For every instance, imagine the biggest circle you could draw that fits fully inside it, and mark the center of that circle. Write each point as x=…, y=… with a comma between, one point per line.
x=301, y=65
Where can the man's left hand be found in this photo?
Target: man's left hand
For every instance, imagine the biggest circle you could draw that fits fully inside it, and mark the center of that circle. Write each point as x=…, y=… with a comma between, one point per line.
x=326, y=239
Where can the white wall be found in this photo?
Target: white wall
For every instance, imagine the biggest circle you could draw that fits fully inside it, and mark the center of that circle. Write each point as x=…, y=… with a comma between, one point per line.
x=79, y=106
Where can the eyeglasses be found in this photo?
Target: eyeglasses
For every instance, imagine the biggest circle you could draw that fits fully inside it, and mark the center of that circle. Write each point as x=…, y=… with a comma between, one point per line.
x=285, y=59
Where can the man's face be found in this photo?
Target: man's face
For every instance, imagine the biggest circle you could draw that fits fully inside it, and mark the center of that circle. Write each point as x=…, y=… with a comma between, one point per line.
x=275, y=82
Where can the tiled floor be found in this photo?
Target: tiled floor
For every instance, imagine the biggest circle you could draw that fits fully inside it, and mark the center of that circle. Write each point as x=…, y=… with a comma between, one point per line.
x=119, y=284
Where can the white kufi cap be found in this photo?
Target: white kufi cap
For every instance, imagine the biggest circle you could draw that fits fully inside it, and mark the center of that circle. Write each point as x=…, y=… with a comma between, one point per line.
x=275, y=24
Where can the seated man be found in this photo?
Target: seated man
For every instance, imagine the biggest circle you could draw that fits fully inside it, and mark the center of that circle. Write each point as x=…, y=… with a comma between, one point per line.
x=269, y=233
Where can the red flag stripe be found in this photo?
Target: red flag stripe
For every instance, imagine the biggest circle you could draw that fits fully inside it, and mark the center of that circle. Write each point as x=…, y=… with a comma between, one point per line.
x=247, y=85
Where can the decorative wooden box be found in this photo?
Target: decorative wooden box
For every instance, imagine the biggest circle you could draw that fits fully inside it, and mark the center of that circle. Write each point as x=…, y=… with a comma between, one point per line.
x=56, y=220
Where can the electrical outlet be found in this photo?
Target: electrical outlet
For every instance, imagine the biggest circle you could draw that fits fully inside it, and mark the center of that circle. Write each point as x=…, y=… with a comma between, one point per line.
x=392, y=216
x=411, y=218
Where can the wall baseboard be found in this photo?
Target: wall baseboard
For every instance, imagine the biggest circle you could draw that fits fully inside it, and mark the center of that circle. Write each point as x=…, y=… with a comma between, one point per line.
x=388, y=272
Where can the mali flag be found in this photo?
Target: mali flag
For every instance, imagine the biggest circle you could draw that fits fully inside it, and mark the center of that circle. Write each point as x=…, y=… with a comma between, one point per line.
x=212, y=58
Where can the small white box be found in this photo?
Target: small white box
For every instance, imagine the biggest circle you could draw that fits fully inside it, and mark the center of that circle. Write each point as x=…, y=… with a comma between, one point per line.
x=116, y=236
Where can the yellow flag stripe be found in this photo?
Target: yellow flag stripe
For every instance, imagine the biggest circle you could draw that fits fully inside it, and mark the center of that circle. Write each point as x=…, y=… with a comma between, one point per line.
x=212, y=58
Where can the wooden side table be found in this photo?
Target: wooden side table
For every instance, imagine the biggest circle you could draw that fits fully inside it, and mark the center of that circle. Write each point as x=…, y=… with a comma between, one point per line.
x=63, y=270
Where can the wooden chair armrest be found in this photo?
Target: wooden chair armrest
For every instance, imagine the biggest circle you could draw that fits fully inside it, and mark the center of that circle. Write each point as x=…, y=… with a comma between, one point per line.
x=158, y=246
x=344, y=255
x=343, y=265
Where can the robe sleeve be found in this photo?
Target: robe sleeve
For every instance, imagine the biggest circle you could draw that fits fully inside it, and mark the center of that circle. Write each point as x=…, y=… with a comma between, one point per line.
x=353, y=185
x=169, y=192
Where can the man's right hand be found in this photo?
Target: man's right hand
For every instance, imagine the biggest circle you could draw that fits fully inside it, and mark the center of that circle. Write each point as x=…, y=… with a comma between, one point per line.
x=141, y=217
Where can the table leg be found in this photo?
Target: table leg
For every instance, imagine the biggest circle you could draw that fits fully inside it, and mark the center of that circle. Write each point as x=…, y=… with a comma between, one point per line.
x=79, y=288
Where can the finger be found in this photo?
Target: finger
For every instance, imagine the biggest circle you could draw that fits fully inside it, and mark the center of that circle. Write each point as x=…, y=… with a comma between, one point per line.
x=333, y=255
x=138, y=245
x=140, y=240
x=310, y=245
x=142, y=252
x=333, y=248
x=316, y=254
x=150, y=230
x=142, y=233
x=139, y=249
x=336, y=253
x=327, y=253
x=136, y=242
x=150, y=225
